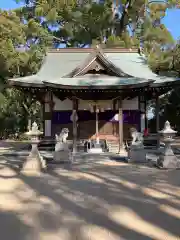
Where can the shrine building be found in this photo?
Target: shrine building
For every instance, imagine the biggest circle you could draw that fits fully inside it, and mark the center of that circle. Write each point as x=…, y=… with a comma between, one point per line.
x=95, y=93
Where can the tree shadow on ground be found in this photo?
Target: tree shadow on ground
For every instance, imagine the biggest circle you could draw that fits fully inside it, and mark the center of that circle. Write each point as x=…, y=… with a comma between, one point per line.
x=96, y=200
x=12, y=227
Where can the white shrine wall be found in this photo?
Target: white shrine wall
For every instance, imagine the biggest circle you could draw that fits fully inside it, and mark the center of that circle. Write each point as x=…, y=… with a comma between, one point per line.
x=85, y=105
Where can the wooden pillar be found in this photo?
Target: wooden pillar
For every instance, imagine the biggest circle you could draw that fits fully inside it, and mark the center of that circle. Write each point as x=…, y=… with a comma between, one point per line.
x=143, y=113
x=113, y=124
x=121, y=145
x=157, y=120
x=43, y=115
x=146, y=118
x=74, y=122
x=48, y=110
x=97, y=125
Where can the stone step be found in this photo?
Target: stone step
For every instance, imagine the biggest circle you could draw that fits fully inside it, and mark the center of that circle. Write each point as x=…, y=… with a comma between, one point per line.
x=113, y=146
x=109, y=145
x=113, y=149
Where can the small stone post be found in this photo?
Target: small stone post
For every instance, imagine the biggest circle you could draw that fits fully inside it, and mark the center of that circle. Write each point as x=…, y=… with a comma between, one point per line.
x=34, y=162
x=167, y=159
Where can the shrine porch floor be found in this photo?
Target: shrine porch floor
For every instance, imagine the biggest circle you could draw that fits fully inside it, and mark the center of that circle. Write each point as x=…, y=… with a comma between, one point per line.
x=94, y=200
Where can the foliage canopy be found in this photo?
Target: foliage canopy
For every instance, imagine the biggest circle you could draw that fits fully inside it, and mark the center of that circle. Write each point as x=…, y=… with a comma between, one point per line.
x=26, y=33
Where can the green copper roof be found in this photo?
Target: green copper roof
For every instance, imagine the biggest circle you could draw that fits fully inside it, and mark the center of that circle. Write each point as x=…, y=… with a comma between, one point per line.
x=135, y=65
x=98, y=81
x=57, y=65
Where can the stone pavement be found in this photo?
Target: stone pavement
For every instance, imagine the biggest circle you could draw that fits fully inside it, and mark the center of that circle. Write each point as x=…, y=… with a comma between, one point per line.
x=92, y=200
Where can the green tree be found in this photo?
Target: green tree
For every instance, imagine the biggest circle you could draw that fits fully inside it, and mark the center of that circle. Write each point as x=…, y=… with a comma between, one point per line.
x=175, y=57
x=81, y=23
x=22, y=46
x=170, y=103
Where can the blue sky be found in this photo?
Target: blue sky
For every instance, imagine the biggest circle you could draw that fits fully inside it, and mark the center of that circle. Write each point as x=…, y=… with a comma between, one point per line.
x=171, y=20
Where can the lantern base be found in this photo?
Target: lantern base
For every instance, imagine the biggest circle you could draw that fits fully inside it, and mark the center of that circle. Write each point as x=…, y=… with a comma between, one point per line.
x=32, y=166
x=168, y=162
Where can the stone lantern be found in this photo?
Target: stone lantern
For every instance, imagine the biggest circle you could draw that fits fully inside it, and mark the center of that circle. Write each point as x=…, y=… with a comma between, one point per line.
x=167, y=159
x=34, y=162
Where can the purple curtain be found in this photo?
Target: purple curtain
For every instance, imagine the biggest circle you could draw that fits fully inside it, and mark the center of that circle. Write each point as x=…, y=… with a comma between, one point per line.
x=129, y=116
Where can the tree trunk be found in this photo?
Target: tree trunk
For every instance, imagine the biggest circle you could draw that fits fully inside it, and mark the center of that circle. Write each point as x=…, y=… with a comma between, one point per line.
x=122, y=24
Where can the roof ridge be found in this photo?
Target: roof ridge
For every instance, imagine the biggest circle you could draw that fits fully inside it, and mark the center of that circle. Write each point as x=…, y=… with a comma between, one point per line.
x=85, y=50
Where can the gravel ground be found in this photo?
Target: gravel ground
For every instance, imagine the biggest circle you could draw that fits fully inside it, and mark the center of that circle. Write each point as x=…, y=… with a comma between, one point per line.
x=92, y=200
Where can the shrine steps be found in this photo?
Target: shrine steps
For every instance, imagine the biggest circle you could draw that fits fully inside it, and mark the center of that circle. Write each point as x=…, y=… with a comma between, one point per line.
x=113, y=146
